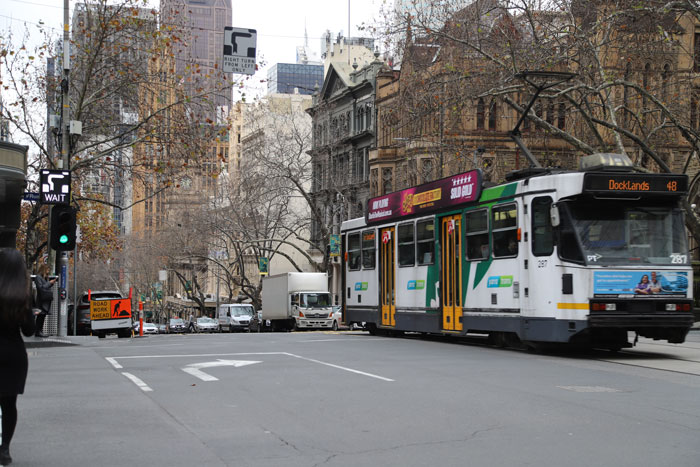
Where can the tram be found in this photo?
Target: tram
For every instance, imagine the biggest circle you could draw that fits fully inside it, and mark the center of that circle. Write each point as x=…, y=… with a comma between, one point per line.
x=550, y=256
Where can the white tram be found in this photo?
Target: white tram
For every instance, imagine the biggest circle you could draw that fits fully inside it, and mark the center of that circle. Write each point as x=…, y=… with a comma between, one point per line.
x=548, y=257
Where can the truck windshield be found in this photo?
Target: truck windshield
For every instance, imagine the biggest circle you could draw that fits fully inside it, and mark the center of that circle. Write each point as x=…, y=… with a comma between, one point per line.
x=316, y=300
x=623, y=233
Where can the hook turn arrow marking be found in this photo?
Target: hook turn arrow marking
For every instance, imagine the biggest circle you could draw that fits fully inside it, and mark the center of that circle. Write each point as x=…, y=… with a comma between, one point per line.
x=195, y=368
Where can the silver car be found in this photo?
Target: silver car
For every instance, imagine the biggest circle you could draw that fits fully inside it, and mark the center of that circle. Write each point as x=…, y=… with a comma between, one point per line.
x=205, y=324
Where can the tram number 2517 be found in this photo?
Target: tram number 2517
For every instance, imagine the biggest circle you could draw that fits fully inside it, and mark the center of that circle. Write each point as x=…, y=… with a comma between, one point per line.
x=542, y=263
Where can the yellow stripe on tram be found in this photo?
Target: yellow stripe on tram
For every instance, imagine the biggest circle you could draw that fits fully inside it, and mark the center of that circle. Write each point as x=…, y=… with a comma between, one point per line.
x=572, y=306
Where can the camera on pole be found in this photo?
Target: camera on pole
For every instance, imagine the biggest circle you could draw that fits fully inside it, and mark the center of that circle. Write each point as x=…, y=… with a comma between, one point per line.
x=63, y=226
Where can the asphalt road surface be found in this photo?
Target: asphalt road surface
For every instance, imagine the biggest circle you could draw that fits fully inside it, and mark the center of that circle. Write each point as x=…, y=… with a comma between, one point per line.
x=350, y=399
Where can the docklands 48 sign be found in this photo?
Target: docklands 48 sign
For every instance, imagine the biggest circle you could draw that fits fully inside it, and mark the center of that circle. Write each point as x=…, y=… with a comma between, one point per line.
x=425, y=198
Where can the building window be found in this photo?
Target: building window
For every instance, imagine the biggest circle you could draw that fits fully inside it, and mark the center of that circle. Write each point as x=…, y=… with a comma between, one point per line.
x=561, y=118
x=387, y=180
x=696, y=65
x=493, y=116
x=354, y=251
x=369, y=249
x=480, y=114
x=426, y=172
x=694, y=113
x=425, y=241
x=407, y=245
x=477, y=233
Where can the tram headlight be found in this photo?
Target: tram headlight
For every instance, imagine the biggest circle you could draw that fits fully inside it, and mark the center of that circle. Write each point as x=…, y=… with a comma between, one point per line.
x=610, y=307
x=604, y=306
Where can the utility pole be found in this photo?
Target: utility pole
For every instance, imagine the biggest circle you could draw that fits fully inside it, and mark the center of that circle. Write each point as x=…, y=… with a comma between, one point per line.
x=65, y=164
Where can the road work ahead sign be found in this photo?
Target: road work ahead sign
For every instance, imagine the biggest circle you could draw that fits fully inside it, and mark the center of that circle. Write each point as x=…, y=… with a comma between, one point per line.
x=239, y=50
x=110, y=309
x=55, y=186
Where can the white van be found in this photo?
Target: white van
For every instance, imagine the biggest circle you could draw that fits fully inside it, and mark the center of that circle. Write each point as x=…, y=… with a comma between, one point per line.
x=235, y=316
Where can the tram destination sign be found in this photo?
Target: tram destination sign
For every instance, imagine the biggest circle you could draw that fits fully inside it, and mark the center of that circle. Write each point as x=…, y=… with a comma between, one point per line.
x=657, y=184
x=426, y=198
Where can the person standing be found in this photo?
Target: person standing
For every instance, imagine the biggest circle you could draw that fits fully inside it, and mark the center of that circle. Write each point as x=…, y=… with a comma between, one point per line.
x=44, y=297
x=15, y=316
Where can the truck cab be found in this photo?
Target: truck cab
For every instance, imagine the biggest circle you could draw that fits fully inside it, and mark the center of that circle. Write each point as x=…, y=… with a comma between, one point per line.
x=312, y=310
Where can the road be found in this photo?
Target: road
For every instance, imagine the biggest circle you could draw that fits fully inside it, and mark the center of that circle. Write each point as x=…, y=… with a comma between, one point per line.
x=350, y=399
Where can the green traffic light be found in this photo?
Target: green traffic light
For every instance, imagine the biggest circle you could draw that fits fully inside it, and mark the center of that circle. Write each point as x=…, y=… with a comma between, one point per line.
x=63, y=239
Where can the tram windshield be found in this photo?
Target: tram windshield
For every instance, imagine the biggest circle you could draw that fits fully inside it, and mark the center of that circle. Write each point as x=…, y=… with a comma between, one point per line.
x=624, y=233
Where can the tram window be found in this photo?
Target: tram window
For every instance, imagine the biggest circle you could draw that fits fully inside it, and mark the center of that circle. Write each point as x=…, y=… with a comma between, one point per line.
x=542, y=235
x=407, y=245
x=354, y=251
x=477, y=234
x=425, y=237
x=369, y=249
x=505, y=230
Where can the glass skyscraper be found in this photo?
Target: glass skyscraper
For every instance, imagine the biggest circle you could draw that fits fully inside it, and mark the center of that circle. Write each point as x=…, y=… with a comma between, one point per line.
x=284, y=77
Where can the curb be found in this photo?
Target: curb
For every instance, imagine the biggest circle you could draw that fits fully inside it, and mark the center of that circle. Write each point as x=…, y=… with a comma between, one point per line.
x=55, y=341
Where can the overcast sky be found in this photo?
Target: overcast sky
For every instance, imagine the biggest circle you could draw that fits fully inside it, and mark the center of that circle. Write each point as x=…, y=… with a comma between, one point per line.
x=280, y=23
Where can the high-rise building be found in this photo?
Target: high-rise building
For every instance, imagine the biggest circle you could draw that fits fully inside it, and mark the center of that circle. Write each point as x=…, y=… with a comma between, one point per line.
x=284, y=78
x=202, y=23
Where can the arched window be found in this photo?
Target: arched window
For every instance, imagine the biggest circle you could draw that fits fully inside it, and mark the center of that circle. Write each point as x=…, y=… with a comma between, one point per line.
x=550, y=112
x=493, y=116
x=561, y=118
x=480, y=111
x=664, y=81
x=693, y=113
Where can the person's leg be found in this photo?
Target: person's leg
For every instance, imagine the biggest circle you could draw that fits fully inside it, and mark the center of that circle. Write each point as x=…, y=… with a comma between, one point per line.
x=8, y=404
x=40, y=324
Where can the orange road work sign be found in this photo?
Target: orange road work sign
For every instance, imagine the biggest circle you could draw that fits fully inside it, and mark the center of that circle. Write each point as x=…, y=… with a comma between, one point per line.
x=110, y=309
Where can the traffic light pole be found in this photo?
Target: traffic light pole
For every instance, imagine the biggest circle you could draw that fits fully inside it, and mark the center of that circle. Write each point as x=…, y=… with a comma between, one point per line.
x=65, y=159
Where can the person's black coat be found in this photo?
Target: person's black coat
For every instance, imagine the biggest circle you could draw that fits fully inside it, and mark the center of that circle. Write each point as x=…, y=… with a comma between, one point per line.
x=44, y=294
x=13, y=354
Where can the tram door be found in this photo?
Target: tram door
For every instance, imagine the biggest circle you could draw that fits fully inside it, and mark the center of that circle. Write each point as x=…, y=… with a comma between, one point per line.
x=387, y=266
x=451, y=283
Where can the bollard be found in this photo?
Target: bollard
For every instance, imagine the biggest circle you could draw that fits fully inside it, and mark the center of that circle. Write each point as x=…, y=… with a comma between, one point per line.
x=140, y=318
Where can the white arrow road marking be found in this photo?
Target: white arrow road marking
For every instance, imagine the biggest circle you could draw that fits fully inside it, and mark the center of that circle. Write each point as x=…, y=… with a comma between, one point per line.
x=194, y=369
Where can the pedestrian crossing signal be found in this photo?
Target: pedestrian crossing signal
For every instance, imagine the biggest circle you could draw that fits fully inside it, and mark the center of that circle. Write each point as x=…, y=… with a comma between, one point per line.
x=63, y=227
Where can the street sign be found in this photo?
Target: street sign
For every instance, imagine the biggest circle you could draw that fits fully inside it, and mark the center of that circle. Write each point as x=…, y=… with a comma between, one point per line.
x=55, y=186
x=30, y=196
x=264, y=265
x=239, y=50
x=335, y=245
x=110, y=309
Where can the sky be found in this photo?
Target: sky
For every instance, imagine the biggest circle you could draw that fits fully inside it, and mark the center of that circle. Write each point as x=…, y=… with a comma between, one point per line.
x=280, y=24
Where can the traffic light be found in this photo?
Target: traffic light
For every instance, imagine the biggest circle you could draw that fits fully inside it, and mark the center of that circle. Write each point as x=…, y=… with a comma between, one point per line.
x=63, y=223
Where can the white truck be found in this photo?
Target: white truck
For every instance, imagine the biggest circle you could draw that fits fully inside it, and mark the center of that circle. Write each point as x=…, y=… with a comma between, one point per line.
x=297, y=300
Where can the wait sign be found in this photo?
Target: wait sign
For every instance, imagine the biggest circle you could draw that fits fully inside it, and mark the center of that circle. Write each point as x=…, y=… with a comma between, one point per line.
x=110, y=309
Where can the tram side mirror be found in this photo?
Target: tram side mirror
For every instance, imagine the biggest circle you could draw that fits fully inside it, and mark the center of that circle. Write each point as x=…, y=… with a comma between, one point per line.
x=554, y=215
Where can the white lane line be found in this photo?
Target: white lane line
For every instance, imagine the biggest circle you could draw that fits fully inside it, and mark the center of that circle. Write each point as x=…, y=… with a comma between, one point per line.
x=200, y=374
x=113, y=362
x=339, y=367
x=143, y=386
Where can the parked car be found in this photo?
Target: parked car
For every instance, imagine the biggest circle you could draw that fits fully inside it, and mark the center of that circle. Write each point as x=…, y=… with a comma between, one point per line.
x=148, y=328
x=162, y=328
x=337, y=317
x=205, y=324
x=176, y=325
x=258, y=324
x=83, y=326
x=235, y=316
